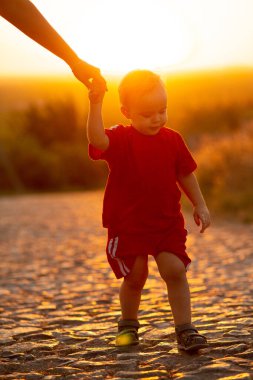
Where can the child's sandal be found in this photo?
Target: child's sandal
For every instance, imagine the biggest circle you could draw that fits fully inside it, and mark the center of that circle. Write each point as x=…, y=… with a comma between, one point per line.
x=128, y=333
x=189, y=339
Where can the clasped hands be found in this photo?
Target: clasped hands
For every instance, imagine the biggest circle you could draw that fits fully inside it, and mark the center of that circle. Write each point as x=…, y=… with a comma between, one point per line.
x=91, y=77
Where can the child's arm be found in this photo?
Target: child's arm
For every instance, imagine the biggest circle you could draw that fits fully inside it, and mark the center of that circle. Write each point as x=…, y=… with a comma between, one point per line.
x=95, y=128
x=190, y=186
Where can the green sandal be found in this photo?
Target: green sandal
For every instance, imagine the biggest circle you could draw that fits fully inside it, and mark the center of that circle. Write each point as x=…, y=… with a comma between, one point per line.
x=127, y=333
x=189, y=339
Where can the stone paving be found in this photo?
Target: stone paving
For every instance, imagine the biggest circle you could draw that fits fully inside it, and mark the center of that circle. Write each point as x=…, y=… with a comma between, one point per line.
x=59, y=299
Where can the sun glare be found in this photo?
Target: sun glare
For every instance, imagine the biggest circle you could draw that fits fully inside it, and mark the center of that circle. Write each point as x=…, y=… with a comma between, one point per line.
x=119, y=36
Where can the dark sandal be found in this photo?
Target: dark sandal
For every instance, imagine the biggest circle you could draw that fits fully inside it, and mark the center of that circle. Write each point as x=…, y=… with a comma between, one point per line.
x=127, y=333
x=189, y=339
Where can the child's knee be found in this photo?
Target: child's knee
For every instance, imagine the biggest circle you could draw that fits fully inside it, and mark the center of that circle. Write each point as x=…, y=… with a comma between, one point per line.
x=137, y=277
x=173, y=276
x=136, y=283
x=171, y=268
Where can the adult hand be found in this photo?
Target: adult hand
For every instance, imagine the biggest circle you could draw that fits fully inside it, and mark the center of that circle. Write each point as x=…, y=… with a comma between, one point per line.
x=85, y=72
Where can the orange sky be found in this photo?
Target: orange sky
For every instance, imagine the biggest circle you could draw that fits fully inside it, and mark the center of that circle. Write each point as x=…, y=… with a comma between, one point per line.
x=118, y=35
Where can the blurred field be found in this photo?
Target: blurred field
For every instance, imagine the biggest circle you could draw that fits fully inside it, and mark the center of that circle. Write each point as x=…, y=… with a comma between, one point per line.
x=43, y=145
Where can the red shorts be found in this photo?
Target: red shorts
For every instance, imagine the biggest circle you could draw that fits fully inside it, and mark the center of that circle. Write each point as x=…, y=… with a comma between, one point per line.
x=122, y=248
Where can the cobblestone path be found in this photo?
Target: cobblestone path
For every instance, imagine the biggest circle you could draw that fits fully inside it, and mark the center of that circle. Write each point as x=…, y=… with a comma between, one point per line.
x=59, y=299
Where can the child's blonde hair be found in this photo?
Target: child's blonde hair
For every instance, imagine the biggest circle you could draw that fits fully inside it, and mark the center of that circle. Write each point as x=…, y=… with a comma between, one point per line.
x=136, y=83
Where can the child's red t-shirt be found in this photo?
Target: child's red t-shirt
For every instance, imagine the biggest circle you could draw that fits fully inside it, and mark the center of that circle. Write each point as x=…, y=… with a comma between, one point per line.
x=141, y=193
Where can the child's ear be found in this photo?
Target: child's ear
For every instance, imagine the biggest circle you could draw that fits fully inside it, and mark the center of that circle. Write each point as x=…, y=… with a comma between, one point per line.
x=125, y=112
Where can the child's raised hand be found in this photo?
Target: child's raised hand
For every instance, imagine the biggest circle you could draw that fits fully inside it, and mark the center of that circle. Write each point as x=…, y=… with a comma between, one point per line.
x=97, y=90
x=201, y=216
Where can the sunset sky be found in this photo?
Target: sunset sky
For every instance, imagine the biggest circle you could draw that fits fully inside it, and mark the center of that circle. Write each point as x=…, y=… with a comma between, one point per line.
x=118, y=35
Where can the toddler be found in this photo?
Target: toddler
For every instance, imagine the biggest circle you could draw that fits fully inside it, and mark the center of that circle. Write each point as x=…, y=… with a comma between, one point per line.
x=148, y=165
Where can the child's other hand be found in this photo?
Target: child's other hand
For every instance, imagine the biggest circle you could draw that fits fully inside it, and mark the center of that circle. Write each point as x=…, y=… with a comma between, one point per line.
x=201, y=216
x=97, y=90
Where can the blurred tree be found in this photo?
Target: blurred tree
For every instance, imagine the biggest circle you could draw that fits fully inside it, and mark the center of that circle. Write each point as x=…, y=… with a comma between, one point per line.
x=45, y=148
x=225, y=172
x=8, y=174
x=56, y=121
x=219, y=121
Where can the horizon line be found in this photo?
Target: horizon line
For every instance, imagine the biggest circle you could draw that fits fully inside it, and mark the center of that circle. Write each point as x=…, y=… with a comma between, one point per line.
x=181, y=72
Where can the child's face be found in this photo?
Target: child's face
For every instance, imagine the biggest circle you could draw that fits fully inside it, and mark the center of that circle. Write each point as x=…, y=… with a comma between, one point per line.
x=149, y=112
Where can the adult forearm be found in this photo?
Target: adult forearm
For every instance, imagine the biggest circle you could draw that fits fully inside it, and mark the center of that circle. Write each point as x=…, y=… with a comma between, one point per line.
x=190, y=187
x=95, y=128
x=27, y=18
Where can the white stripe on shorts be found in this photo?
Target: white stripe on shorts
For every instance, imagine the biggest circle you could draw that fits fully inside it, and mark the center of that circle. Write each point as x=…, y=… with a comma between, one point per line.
x=115, y=247
x=122, y=266
x=112, y=248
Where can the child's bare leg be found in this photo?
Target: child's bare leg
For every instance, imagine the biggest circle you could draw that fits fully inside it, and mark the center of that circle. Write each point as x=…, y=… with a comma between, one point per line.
x=132, y=285
x=172, y=270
